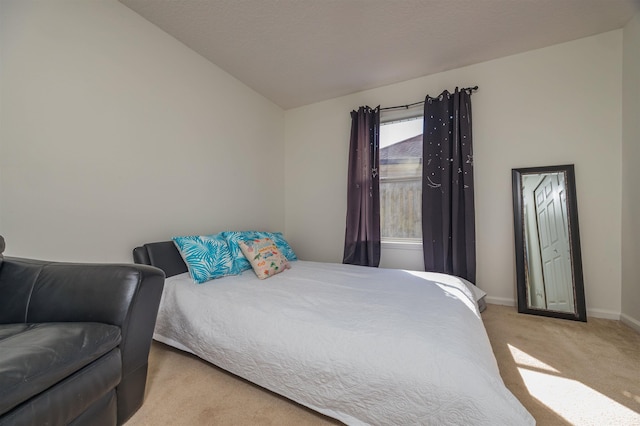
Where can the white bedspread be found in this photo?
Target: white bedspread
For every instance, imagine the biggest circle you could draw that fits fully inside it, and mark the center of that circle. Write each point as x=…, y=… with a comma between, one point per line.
x=362, y=345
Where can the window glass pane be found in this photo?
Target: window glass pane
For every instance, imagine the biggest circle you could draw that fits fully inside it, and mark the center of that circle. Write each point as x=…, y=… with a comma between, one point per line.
x=401, y=179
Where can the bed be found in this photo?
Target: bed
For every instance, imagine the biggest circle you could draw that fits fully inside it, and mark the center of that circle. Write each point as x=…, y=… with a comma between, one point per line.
x=361, y=345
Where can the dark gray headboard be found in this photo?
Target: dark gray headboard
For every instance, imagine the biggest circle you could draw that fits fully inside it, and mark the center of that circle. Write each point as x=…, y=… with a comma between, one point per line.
x=163, y=255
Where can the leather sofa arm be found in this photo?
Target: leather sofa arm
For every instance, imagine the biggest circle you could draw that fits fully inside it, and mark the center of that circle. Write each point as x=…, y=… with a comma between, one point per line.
x=33, y=291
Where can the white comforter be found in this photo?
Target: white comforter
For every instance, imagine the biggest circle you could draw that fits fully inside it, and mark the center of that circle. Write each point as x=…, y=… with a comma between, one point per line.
x=362, y=345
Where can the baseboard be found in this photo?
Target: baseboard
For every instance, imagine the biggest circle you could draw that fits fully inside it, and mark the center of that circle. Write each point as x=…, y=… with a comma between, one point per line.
x=595, y=313
x=500, y=301
x=631, y=322
x=603, y=314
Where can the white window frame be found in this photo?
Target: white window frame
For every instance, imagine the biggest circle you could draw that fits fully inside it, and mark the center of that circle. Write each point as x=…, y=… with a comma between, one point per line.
x=389, y=117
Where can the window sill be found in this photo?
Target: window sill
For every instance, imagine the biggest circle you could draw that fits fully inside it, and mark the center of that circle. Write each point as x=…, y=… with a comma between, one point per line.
x=402, y=245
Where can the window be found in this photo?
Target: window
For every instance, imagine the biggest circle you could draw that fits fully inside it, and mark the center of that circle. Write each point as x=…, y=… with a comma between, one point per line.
x=401, y=180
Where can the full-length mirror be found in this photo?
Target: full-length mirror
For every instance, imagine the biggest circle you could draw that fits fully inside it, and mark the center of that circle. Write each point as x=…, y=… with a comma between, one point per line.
x=548, y=259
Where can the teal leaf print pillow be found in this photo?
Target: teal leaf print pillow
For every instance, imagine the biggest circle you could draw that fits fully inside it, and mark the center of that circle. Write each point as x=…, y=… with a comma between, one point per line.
x=207, y=257
x=234, y=238
x=282, y=245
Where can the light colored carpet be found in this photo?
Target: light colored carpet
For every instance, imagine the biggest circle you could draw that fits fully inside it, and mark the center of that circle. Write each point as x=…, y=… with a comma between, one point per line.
x=564, y=373
x=568, y=372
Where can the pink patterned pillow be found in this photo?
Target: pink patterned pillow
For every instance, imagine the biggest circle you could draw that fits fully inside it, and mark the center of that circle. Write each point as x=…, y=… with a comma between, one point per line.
x=265, y=258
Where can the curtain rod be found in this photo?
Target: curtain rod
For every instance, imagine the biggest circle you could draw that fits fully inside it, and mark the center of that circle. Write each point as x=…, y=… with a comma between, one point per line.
x=422, y=102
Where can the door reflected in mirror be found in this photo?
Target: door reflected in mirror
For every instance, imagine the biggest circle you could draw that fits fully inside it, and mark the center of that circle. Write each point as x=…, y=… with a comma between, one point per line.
x=548, y=259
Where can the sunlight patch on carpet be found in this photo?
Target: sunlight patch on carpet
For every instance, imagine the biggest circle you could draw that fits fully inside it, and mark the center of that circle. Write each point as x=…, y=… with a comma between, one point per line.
x=575, y=402
x=525, y=360
x=629, y=395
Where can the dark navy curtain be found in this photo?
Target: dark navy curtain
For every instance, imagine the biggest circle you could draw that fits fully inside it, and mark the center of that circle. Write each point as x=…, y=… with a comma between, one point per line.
x=362, y=233
x=448, y=216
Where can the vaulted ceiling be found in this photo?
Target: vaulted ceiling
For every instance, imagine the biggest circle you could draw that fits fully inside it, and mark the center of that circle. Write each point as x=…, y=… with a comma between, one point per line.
x=297, y=52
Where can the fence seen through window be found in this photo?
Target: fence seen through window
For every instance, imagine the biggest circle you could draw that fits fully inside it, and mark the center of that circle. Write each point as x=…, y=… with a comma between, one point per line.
x=401, y=180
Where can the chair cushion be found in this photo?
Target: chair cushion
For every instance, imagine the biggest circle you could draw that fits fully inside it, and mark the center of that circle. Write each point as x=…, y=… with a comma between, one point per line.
x=37, y=356
x=74, y=398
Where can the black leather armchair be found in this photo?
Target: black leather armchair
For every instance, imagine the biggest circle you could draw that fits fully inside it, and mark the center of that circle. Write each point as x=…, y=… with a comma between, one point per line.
x=74, y=340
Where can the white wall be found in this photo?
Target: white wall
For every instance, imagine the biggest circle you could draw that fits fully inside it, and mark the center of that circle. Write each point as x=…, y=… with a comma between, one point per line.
x=113, y=133
x=631, y=175
x=556, y=105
